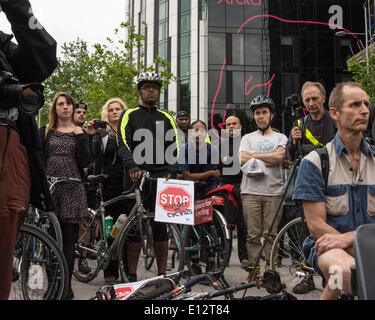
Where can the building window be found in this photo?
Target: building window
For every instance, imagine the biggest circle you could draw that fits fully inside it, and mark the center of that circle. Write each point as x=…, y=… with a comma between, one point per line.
x=185, y=54
x=203, y=10
x=162, y=42
x=185, y=92
x=143, y=31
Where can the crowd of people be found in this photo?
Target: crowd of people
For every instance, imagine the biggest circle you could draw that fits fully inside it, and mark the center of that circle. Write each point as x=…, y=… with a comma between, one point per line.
x=71, y=146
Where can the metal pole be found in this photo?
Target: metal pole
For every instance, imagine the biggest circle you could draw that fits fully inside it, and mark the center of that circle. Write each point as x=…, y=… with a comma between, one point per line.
x=366, y=31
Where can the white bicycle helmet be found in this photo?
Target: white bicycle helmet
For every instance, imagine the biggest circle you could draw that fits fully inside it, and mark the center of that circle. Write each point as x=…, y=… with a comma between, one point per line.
x=148, y=77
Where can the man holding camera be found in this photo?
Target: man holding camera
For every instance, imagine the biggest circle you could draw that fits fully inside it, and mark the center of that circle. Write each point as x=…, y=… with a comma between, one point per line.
x=317, y=128
x=22, y=178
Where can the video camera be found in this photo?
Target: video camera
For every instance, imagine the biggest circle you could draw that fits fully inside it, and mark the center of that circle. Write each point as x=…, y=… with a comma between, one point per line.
x=26, y=97
x=294, y=102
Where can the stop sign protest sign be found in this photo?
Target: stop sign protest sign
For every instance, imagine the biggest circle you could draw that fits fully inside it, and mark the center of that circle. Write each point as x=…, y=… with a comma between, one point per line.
x=175, y=201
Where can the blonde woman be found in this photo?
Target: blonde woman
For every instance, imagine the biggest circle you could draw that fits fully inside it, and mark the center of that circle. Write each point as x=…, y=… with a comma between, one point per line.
x=66, y=152
x=104, y=152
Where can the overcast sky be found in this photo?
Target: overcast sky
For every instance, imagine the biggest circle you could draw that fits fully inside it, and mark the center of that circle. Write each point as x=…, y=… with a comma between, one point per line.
x=91, y=20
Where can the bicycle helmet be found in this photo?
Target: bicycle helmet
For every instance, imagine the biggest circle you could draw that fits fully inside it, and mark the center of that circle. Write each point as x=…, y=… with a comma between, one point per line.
x=260, y=101
x=148, y=77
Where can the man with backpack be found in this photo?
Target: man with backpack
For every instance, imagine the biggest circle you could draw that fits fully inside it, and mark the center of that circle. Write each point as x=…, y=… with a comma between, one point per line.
x=337, y=190
x=263, y=150
x=314, y=131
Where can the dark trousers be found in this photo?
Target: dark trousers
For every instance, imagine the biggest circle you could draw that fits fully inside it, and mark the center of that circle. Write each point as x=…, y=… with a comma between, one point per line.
x=14, y=198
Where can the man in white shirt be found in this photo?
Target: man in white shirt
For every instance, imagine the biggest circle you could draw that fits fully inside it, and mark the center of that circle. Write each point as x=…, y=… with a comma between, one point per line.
x=261, y=193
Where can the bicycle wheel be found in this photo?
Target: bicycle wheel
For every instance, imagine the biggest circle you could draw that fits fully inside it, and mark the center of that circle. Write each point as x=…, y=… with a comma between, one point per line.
x=49, y=223
x=40, y=271
x=208, y=246
x=147, y=263
x=91, y=251
x=290, y=262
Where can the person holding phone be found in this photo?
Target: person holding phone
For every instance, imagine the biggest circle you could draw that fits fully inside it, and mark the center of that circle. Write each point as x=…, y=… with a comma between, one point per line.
x=105, y=155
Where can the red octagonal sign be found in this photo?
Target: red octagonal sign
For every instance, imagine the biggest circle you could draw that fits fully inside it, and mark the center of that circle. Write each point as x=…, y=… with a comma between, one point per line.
x=173, y=199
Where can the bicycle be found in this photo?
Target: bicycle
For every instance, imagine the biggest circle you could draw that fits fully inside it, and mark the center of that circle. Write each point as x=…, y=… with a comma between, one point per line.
x=46, y=220
x=40, y=271
x=163, y=288
x=212, y=240
x=138, y=225
x=287, y=249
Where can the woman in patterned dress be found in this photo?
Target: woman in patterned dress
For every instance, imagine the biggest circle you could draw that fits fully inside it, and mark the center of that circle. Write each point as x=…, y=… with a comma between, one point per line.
x=66, y=153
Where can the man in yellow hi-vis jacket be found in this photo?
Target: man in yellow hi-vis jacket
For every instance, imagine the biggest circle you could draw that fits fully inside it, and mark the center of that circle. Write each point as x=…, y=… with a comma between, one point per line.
x=317, y=128
x=148, y=140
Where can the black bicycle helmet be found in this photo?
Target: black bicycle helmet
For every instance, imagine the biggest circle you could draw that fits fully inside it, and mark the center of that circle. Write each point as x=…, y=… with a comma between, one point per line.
x=148, y=77
x=260, y=101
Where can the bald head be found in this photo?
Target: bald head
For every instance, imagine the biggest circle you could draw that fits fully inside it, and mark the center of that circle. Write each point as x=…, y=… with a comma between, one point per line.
x=233, y=126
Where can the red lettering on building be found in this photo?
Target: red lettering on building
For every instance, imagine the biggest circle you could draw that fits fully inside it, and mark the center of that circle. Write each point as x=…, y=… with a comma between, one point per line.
x=241, y=2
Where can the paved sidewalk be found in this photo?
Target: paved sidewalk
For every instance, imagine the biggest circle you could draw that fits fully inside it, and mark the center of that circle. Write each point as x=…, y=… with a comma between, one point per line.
x=234, y=274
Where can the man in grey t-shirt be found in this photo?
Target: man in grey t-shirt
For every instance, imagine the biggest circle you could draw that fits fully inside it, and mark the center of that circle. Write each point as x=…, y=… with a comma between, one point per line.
x=261, y=193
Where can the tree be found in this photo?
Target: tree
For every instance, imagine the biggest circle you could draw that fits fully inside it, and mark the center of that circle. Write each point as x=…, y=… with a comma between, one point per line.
x=109, y=71
x=365, y=75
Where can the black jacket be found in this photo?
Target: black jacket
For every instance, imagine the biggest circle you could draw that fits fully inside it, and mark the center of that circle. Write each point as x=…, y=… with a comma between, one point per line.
x=161, y=136
x=32, y=60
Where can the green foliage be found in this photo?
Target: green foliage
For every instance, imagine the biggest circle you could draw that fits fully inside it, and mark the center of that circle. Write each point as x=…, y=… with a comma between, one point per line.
x=107, y=72
x=365, y=75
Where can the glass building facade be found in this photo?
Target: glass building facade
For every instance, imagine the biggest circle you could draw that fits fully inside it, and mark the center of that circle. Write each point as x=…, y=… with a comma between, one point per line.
x=226, y=52
x=273, y=47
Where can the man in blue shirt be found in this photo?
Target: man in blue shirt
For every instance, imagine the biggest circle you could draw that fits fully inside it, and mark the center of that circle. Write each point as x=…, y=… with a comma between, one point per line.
x=200, y=160
x=333, y=212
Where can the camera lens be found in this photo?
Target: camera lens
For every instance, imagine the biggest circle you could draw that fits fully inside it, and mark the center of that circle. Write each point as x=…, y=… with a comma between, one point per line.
x=29, y=98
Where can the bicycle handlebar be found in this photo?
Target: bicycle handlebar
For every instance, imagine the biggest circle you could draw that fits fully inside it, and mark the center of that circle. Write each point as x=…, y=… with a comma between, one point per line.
x=146, y=176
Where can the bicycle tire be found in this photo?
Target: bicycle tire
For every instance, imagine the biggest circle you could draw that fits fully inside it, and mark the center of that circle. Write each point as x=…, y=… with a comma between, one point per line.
x=49, y=223
x=294, y=267
x=176, y=250
x=221, y=248
x=154, y=289
x=149, y=247
x=93, y=261
x=37, y=251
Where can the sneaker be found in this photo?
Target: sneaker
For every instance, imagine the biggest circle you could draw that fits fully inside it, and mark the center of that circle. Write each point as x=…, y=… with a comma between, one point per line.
x=210, y=267
x=306, y=285
x=244, y=264
x=110, y=280
x=69, y=295
x=196, y=268
x=132, y=277
x=83, y=266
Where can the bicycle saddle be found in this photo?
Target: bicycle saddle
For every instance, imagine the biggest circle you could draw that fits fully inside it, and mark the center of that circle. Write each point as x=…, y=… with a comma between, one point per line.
x=364, y=239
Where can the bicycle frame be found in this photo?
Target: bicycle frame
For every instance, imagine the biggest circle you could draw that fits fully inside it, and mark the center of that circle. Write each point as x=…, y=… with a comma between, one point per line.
x=197, y=246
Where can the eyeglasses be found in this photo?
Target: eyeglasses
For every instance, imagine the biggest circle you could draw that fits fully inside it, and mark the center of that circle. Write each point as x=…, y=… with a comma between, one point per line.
x=150, y=86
